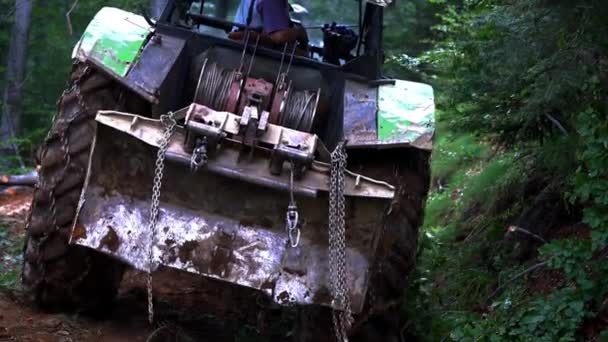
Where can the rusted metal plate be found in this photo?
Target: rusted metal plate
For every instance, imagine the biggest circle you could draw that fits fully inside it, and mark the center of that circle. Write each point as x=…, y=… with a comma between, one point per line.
x=113, y=38
x=217, y=227
x=197, y=242
x=360, y=108
x=156, y=62
x=228, y=160
x=395, y=115
x=406, y=115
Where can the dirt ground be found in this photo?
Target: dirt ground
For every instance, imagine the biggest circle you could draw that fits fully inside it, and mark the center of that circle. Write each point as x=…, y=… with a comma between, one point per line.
x=186, y=308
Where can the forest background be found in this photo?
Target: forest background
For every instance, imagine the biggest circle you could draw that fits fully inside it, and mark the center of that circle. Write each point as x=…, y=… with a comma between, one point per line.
x=515, y=238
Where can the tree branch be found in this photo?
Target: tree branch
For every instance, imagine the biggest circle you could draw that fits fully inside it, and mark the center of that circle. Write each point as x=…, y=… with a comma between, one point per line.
x=8, y=15
x=556, y=123
x=513, y=229
x=68, y=19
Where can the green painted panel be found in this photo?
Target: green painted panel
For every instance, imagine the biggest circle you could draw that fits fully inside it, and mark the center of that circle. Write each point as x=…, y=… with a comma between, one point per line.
x=113, y=38
x=406, y=112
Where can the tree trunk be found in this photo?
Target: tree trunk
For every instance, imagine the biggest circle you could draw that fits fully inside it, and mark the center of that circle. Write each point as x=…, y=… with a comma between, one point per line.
x=15, y=71
x=157, y=7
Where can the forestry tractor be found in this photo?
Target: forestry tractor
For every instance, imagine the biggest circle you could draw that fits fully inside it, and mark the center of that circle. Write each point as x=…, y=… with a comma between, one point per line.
x=302, y=176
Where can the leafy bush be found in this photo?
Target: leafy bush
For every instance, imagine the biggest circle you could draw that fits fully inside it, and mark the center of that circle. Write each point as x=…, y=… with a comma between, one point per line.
x=528, y=80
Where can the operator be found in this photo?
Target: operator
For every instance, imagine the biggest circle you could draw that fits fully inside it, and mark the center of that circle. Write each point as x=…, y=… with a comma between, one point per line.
x=272, y=17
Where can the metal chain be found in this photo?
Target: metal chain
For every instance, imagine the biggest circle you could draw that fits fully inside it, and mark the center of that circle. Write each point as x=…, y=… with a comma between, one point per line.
x=169, y=122
x=292, y=216
x=342, y=315
x=64, y=139
x=63, y=136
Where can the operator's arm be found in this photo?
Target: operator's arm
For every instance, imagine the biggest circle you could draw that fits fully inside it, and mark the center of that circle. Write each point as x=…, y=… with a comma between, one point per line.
x=291, y=34
x=275, y=14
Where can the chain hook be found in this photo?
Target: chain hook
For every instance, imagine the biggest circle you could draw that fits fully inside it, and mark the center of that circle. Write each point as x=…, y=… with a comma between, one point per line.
x=293, y=216
x=168, y=120
x=293, y=231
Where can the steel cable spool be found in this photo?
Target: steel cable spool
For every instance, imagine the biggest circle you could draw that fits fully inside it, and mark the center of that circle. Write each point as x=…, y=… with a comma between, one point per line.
x=213, y=91
x=300, y=110
x=213, y=86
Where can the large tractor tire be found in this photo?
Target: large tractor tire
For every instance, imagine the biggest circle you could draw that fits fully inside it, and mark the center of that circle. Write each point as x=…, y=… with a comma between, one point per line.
x=56, y=274
x=381, y=318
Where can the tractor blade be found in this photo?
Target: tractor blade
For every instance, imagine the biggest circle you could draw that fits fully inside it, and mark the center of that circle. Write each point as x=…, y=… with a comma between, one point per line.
x=225, y=221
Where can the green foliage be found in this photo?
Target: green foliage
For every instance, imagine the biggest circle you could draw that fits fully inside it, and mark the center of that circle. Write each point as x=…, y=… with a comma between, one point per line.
x=49, y=63
x=526, y=82
x=453, y=152
x=438, y=208
x=590, y=181
x=497, y=176
x=555, y=318
x=6, y=22
x=516, y=64
x=9, y=279
x=49, y=57
x=10, y=254
x=457, y=267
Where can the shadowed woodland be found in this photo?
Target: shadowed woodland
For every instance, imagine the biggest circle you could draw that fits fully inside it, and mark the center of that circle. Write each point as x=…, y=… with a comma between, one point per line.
x=515, y=238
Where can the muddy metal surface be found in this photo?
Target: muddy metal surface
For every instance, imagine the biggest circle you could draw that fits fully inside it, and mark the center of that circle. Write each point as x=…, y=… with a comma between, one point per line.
x=187, y=309
x=225, y=229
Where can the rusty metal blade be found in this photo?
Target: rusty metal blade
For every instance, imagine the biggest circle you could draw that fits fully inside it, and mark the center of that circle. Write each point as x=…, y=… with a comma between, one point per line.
x=222, y=227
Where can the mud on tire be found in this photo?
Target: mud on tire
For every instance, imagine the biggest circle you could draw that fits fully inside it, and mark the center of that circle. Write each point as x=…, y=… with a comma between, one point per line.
x=58, y=275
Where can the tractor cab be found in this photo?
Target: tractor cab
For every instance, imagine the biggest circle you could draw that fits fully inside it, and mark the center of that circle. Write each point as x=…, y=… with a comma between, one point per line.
x=354, y=42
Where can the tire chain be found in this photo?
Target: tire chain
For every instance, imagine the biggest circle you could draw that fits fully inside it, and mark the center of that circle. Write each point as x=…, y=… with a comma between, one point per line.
x=169, y=123
x=63, y=136
x=379, y=265
x=377, y=273
x=342, y=314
